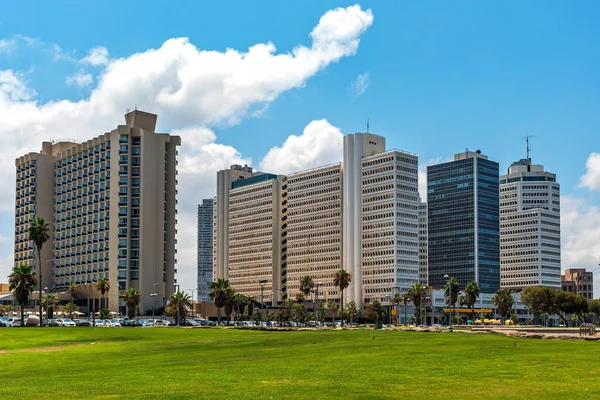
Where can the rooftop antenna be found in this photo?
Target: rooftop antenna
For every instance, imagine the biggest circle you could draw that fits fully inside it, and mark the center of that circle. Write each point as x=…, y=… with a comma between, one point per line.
x=136, y=107
x=528, y=148
x=368, y=125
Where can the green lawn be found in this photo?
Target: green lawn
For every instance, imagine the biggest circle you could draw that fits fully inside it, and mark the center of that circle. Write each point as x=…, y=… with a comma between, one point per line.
x=132, y=363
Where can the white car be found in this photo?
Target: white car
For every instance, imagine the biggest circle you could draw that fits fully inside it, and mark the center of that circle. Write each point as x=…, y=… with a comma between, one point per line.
x=64, y=322
x=113, y=323
x=12, y=321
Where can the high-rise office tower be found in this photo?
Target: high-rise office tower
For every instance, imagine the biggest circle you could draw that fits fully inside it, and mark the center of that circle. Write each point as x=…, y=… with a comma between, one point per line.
x=111, y=206
x=463, y=221
x=360, y=215
x=423, y=279
x=529, y=227
x=205, y=249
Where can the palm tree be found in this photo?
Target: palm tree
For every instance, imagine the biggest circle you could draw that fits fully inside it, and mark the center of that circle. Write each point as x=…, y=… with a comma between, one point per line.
x=342, y=280
x=70, y=308
x=396, y=300
x=39, y=234
x=417, y=293
x=49, y=302
x=300, y=297
x=22, y=281
x=103, y=285
x=132, y=298
x=472, y=292
x=503, y=301
x=230, y=303
x=451, y=287
x=72, y=290
x=306, y=286
x=218, y=292
x=181, y=299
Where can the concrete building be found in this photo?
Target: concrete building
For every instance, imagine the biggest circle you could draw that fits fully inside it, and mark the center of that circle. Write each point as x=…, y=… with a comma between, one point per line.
x=205, y=249
x=578, y=281
x=423, y=278
x=463, y=221
x=314, y=232
x=93, y=194
x=360, y=215
x=529, y=227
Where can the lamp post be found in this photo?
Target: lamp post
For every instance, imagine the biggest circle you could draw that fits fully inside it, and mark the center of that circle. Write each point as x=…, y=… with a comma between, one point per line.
x=196, y=289
x=449, y=299
x=153, y=295
x=41, y=316
x=262, y=287
x=177, y=297
x=317, y=301
x=424, y=308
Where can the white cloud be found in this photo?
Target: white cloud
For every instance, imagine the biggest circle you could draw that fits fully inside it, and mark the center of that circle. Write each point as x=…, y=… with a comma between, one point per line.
x=80, y=79
x=360, y=84
x=189, y=89
x=320, y=143
x=591, y=179
x=96, y=57
x=580, y=236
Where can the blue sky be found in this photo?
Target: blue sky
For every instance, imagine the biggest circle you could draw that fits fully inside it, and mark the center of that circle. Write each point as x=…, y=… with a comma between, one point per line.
x=438, y=77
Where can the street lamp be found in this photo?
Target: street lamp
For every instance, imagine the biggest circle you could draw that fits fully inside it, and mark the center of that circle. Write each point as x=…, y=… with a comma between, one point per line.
x=449, y=299
x=317, y=301
x=262, y=287
x=196, y=289
x=177, y=297
x=41, y=316
x=153, y=295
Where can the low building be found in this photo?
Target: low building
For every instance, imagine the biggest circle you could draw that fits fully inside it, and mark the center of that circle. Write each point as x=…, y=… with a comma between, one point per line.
x=578, y=281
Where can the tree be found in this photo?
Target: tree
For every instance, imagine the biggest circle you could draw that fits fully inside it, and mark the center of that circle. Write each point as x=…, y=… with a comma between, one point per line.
x=306, y=286
x=103, y=285
x=374, y=312
x=540, y=300
x=70, y=308
x=299, y=313
x=49, y=302
x=322, y=310
x=566, y=304
x=333, y=306
x=352, y=311
x=132, y=298
x=229, y=303
x=417, y=293
x=300, y=297
x=178, y=299
x=472, y=292
x=451, y=289
x=72, y=290
x=39, y=233
x=218, y=292
x=503, y=301
x=594, y=308
x=22, y=281
x=5, y=310
x=342, y=280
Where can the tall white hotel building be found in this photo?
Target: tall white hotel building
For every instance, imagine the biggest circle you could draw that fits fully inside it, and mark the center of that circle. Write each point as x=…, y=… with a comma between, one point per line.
x=529, y=227
x=360, y=215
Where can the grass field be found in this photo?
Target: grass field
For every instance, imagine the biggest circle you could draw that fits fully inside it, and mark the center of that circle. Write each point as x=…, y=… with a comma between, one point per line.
x=138, y=363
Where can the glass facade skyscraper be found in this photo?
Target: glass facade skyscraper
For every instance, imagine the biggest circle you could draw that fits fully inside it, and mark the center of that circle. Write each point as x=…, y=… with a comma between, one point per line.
x=205, y=249
x=464, y=221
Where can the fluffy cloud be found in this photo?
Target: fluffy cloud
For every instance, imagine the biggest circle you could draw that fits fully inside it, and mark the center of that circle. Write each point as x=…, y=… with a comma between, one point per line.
x=190, y=89
x=319, y=144
x=591, y=179
x=580, y=233
x=360, y=84
x=96, y=56
x=80, y=79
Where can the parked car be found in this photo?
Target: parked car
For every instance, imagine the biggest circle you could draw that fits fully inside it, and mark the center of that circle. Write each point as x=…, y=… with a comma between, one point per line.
x=82, y=322
x=12, y=322
x=113, y=323
x=64, y=322
x=160, y=322
x=144, y=323
x=3, y=321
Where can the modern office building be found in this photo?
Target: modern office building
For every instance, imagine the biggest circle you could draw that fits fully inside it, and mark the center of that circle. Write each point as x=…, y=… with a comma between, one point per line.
x=578, y=281
x=464, y=222
x=360, y=215
x=205, y=249
x=423, y=279
x=94, y=194
x=529, y=227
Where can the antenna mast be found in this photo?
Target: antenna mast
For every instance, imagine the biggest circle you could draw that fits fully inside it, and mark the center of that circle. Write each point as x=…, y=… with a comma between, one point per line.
x=367, y=125
x=527, y=144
